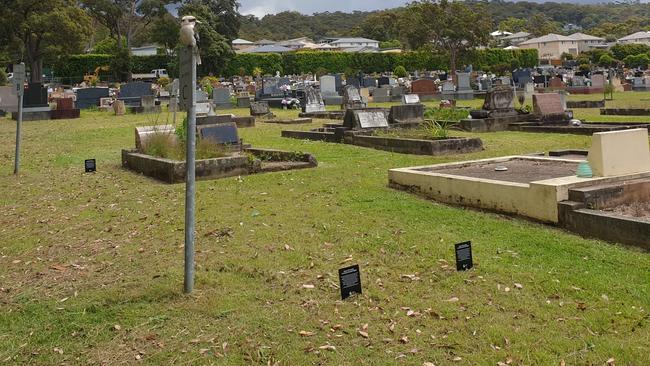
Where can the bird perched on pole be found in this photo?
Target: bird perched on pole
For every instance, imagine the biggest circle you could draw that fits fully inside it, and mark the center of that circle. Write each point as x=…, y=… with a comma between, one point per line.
x=189, y=36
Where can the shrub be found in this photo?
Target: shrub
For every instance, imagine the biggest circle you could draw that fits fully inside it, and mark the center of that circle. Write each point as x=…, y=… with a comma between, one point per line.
x=400, y=72
x=606, y=61
x=584, y=67
x=637, y=61
x=163, y=82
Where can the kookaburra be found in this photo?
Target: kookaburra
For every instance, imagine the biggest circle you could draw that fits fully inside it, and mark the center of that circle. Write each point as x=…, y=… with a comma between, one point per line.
x=189, y=36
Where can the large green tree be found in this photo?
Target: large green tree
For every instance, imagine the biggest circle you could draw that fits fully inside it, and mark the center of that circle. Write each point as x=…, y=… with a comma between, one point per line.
x=34, y=30
x=214, y=46
x=452, y=27
x=125, y=18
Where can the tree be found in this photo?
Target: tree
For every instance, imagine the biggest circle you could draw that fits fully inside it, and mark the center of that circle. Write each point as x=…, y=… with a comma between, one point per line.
x=382, y=26
x=637, y=61
x=125, y=18
x=3, y=77
x=35, y=30
x=513, y=25
x=539, y=25
x=214, y=47
x=621, y=51
x=453, y=27
x=165, y=32
x=400, y=71
x=606, y=61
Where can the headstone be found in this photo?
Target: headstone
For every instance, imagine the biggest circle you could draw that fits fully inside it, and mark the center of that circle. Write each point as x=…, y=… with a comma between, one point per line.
x=410, y=99
x=131, y=93
x=144, y=133
x=259, y=109
x=505, y=80
x=119, y=107
x=619, y=152
x=406, y=113
x=203, y=108
x=90, y=97
x=349, y=281
x=65, y=109
x=8, y=99
x=382, y=94
x=579, y=81
x=328, y=85
x=424, y=88
x=365, y=94
x=313, y=101
x=540, y=80
x=500, y=98
x=352, y=98
x=529, y=90
x=384, y=80
x=243, y=102
x=201, y=96
x=369, y=82
x=463, y=81
x=464, y=259
x=361, y=119
x=556, y=83
x=598, y=81
x=221, y=97
x=549, y=104
x=354, y=82
x=223, y=133
x=448, y=90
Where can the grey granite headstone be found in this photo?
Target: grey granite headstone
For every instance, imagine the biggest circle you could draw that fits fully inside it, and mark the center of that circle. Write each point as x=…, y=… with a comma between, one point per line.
x=352, y=98
x=598, y=81
x=328, y=85
x=89, y=97
x=223, y=133
x=221, y=97
x=463, y=81
x=259, y=109
x=8, y=100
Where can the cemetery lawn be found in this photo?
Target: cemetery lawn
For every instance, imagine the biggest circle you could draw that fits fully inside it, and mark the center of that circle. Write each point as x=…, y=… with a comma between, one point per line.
x=91, y=265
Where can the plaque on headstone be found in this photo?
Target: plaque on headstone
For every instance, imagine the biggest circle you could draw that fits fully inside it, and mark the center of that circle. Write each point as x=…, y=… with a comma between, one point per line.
x=222, y=133
x=90, y=165
x=410, y=99
x=349, y=281
x=372, y=119
x=464, y=259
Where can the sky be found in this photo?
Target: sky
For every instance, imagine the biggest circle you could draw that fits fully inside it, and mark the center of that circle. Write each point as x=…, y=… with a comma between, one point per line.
x=260, y=8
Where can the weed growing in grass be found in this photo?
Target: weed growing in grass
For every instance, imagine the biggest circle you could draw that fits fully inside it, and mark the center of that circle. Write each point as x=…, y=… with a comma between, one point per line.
x=437, y=129
x=447, y=114
x=165, y=145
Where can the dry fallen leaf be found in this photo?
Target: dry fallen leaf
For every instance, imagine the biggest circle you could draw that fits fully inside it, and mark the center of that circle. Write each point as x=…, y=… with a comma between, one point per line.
x=453, y=299
x=519, y=286
x=457, y=359
x=404, y=339
x=117, y=327
x=611, y=362
x=562, y=363
x=327, y=347
x=428, y=364
x=308, y=286
x=363, y=334
x=58, y=350
x=304, y=333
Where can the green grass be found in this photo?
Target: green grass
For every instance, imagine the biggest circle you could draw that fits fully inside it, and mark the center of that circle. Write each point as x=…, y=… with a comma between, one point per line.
x=82, y=253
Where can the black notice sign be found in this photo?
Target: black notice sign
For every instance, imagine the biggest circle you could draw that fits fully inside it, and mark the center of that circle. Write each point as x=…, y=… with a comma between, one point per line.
x=350, y=281
x=464, y=256
x=90, y=166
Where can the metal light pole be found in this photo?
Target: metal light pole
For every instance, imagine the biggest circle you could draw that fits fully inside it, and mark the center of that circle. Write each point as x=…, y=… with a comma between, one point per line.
x=188, y=85
x=19, y=80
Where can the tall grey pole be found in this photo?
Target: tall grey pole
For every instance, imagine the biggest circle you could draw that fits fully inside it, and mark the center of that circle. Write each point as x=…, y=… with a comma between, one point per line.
x=19, y=123
x=190, y=188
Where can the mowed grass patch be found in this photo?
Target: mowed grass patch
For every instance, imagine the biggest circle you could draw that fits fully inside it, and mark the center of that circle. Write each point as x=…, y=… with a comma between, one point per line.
x=91, y=264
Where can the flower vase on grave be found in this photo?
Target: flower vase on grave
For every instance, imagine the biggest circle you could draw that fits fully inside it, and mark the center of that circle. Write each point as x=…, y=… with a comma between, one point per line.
x=584, y=170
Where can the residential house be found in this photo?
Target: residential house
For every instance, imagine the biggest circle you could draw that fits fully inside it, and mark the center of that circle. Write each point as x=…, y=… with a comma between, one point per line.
x=343, y=43
x=241, y=44
x=147, y=50
x=515, y=38
x=638, y=37
x=271, y=48
x=587, y=42
x=551, y=47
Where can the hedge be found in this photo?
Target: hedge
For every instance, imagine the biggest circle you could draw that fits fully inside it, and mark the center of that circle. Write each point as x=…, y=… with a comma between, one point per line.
x=303, y=62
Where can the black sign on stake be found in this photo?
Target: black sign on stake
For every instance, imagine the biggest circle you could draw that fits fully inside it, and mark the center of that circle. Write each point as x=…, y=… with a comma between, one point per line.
x=464, y=256
x=90, y=165
x=350, y=281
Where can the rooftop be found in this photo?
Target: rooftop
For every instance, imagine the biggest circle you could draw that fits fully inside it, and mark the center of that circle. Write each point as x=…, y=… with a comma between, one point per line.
x=517, y=35
x=585, y=37
x=637, y=35
x=270, y=48
x=354, y=40
x=241, y=41
x=549, y=38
